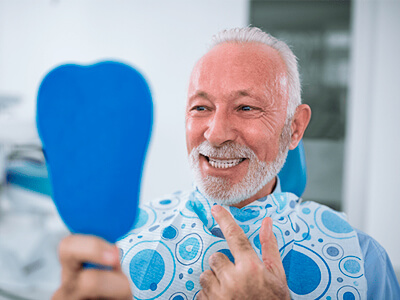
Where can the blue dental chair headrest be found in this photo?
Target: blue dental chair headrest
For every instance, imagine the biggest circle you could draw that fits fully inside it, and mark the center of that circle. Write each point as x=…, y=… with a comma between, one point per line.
x=293, y=175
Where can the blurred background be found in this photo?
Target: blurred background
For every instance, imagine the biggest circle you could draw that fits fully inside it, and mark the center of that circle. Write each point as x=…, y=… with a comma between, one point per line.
x=349, y=60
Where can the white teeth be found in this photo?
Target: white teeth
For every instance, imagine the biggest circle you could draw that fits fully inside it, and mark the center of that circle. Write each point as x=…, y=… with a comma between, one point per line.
x=223, y=164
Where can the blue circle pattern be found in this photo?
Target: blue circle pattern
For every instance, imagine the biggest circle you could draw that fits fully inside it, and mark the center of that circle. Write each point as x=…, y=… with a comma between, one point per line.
x=332, y=251
x=332, y=224
x=178, y=296
x=189, y=249
x=351, y=266
x=189, y=285
x=170, y=232
x=348, y=293
x=308, y=273
x=155, y=266
x=348, y=296
x=335, y=223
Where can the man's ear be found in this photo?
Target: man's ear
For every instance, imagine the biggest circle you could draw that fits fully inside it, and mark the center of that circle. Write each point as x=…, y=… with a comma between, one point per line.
x=299, y=124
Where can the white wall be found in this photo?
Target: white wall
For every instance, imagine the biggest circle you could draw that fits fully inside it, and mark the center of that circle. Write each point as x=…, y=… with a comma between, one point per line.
x=372, y=166
x=163, y=39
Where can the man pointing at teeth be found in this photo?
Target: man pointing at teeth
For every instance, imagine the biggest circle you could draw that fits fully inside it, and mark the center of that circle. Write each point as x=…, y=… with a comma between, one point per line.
x=236, y=235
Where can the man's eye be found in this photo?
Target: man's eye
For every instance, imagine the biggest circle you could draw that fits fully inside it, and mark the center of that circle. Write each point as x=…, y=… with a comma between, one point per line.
x=199, y=108
x=246, y=108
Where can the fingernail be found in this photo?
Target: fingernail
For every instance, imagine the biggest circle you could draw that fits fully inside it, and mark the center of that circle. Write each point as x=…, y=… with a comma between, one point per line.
x=216, y=208
x=270, y=228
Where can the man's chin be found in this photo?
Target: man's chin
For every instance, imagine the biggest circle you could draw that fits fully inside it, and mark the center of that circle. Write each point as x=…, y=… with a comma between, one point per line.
x=220, y=191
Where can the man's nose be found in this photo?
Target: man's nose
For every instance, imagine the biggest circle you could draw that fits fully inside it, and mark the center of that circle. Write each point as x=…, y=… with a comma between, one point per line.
x=220, y=129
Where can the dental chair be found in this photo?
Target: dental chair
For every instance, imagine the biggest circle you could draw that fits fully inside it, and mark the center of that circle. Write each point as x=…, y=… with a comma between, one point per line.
x=293, y=176
x=29, y=175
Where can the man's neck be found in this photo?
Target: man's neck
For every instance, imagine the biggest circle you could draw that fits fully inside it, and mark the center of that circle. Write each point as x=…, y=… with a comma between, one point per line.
x=265, y=191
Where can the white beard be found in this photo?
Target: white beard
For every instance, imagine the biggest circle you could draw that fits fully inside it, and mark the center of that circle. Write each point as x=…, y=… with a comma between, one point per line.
x=259, y=173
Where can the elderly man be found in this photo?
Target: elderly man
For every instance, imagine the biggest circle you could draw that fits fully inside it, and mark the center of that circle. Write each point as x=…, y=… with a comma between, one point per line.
x=236, y=235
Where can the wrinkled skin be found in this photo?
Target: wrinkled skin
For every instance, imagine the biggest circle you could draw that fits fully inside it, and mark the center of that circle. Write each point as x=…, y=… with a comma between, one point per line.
x=238, y=94
x=248, y=277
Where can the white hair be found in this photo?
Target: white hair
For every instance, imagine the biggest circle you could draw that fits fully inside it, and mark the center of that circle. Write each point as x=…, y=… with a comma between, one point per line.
x=256, y=35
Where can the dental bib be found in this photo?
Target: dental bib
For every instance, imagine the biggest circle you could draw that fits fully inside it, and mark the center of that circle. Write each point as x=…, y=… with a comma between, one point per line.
x=174, y=237
x=95, y=123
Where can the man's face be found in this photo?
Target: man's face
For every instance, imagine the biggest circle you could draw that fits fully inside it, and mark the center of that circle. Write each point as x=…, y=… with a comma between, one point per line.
x=237, y=103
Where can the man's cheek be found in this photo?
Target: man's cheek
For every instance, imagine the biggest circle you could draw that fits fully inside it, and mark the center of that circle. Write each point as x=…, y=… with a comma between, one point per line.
x=194, y=135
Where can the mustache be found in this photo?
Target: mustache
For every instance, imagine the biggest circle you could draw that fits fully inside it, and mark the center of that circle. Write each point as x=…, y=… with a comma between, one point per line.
x=229, y=150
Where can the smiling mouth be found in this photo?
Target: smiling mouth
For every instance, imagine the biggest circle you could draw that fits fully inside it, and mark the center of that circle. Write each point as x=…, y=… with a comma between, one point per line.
x=223, y=163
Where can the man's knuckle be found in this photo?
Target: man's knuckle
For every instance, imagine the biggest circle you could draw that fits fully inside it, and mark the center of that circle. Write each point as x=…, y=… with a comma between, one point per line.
x=232, y=231
x=205, y=278
x=201, y=296
x=243, y=243
x=64, y=248
x=255, y=266
x=89, y=282
x=215, y=259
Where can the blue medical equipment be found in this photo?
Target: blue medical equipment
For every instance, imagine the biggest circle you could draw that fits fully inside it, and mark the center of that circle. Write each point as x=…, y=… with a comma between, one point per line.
x=293, y=175
x=29, y=175
x=95, y=125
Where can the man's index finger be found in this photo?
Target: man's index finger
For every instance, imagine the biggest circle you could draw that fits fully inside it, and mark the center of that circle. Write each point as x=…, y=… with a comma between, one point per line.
x=234, y=235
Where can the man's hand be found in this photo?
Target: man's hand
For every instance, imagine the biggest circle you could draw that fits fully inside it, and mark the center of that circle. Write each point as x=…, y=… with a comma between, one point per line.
x=248, y=277
x=88, y=283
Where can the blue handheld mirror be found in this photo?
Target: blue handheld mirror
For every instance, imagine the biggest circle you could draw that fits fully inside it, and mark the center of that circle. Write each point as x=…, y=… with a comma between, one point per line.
x=95, y=125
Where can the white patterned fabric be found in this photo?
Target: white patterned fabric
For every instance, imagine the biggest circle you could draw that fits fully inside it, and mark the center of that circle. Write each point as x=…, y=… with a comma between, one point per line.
x=174, y=236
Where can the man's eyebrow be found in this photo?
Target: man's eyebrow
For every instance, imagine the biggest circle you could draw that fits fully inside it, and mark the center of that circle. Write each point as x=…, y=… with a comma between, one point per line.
x=241, y=93
x=245, y=93
x=200, y=94
x=232, y=95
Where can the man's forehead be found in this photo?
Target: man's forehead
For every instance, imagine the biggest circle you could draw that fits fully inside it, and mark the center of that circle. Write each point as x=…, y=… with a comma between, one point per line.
x=247, y=64
x=235, y=52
